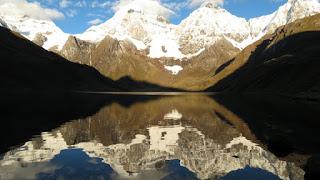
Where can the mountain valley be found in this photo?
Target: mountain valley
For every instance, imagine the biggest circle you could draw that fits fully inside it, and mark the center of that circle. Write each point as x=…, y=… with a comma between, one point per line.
x=135, y=92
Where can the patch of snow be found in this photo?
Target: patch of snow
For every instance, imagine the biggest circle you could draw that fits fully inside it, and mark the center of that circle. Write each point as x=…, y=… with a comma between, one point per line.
x=196, y=54
x=56, y=40
x=162, y=46
x=139, y=45
x=162, y=138
x=175, y=69
x=52, y=146
x=258, y=24
x=173, y=115
x=242, y=140
x=139, y=139
x=245, y=42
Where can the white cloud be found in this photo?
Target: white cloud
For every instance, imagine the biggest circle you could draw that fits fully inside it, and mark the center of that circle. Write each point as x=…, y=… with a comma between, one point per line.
x=64, y=3
x=153, y=7
x=98, y=4
x=81, y=4
x=196, y=3
x=71, y=13
x=95, y=22
x=32, y=9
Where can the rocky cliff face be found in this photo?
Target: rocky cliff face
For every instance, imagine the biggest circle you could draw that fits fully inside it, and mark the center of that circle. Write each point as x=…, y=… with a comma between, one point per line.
x=78, y=51
x=40, y=39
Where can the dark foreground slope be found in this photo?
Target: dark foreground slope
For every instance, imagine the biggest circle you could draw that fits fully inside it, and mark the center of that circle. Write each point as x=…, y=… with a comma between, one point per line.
x=24, y=65
x=286, y=62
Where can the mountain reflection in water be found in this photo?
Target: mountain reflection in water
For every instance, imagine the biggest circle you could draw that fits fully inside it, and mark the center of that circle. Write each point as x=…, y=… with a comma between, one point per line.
x=169, y=137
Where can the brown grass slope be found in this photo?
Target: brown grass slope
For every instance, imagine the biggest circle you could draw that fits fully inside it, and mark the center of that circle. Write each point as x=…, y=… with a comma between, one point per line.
x=119, y=60
x=286, y=62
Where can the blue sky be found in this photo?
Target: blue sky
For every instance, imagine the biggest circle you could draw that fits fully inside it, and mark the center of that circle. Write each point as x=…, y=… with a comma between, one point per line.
x=81, y=14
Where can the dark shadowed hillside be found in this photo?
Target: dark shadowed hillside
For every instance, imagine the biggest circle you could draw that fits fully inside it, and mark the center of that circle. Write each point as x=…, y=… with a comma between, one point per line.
x=28, y=66
x=286, y=62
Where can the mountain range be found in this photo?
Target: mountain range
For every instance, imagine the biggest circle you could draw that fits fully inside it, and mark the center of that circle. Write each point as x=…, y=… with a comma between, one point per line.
x=153, y=32
x=147, y=47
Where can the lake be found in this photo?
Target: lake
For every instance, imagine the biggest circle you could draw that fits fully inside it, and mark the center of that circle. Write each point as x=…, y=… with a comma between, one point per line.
x=173, y=136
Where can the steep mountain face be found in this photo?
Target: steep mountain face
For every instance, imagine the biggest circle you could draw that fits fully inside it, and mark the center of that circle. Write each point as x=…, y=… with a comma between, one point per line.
x=113, y=58
x=144, y=28
x=204, y=65
x=153, y=33
x=287, y=13
x=77, y=50
x=283, y=62
x=25, y=65
x=208, y=24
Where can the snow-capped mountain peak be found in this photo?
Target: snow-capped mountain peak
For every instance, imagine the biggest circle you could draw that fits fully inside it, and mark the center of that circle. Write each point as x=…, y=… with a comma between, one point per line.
x=210, y=23
x=31, y=28
x=302, y=8
x=287, y=13
x=138, y=24
x=145, y=24
x=148, y=8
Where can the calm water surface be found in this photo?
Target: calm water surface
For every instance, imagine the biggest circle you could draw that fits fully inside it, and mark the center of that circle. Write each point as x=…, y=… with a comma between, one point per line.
x=156, y=137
